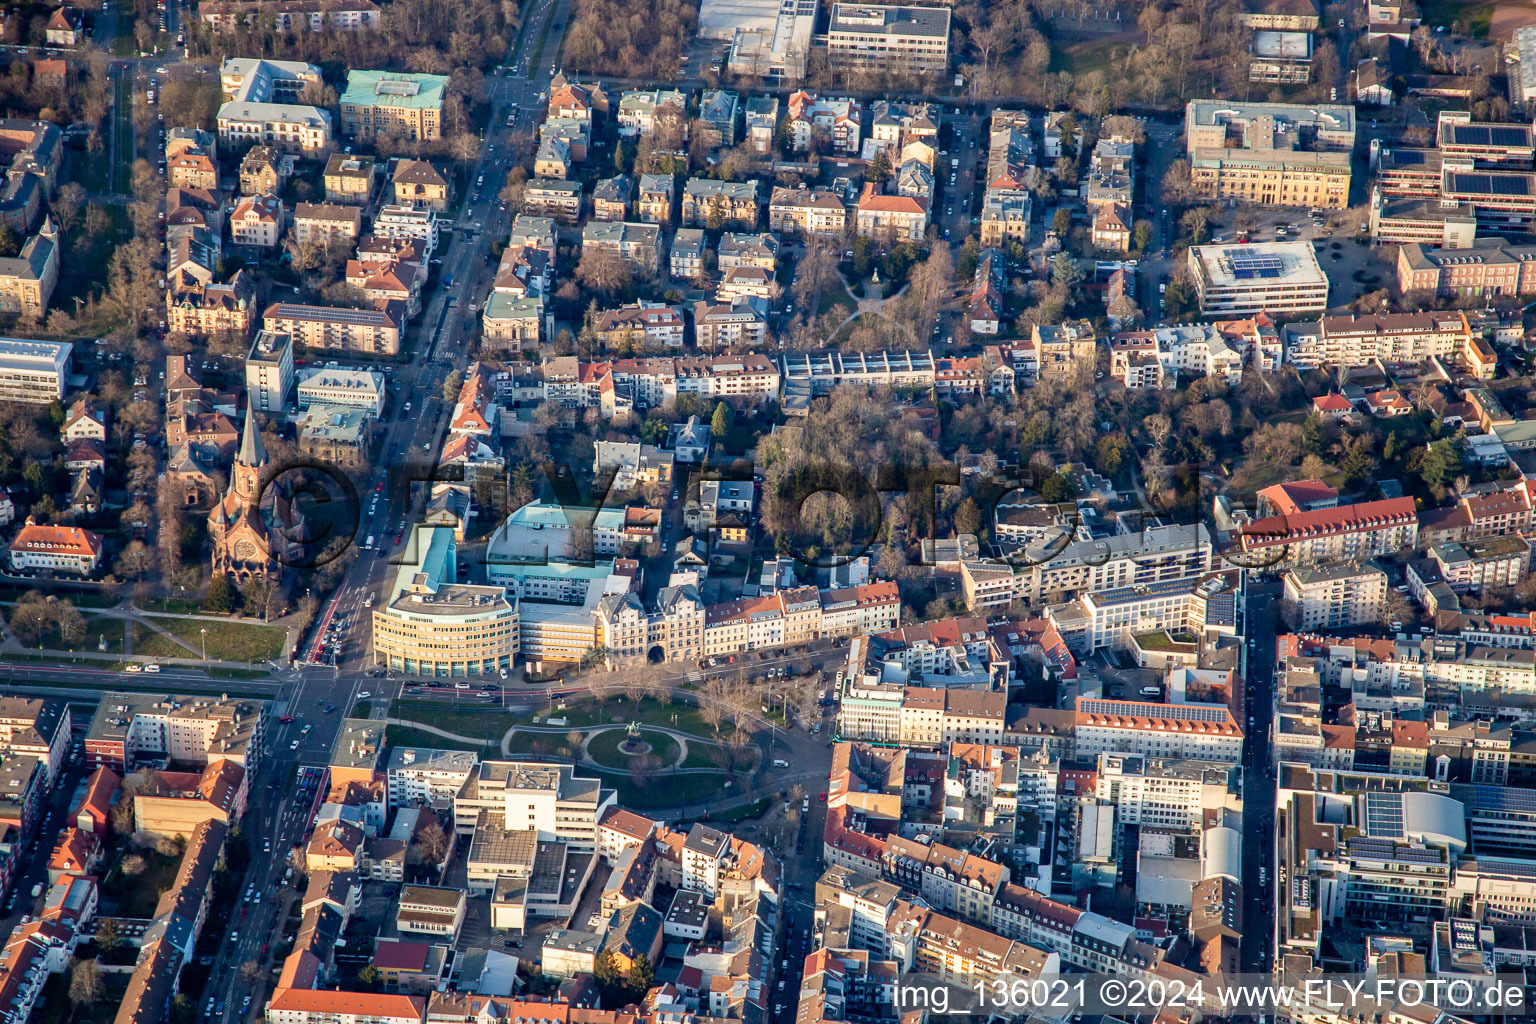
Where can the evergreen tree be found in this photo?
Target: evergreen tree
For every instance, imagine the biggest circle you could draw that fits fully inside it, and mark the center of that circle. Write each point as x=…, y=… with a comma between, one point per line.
x=722, y=422
x=606, y=971
x=641, y=976
x=221, y=596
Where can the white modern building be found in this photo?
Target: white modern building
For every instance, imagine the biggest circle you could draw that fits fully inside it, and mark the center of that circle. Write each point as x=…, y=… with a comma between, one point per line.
x=1334, y=595
x=418, y=223
x=33, y=372
x=418, y=776
x=331, y=385
x=269, y=371
x=1259, y=277
x=547, y=798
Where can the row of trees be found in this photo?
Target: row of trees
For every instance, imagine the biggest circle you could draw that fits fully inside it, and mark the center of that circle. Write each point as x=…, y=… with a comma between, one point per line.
x=645, y=41
x=1171, y=52
x=412, y=34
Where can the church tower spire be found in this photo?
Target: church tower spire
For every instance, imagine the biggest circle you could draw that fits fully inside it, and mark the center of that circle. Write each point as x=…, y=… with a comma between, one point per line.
x=250, y=460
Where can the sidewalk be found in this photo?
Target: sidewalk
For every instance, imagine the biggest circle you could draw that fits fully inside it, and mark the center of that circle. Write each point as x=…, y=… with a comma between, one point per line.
x=126, y=611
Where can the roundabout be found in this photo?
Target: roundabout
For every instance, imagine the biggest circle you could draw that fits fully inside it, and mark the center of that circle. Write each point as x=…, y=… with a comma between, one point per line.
x=618, y=749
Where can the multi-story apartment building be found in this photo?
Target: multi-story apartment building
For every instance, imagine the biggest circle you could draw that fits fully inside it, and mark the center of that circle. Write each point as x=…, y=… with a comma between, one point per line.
x=418, y=183
x=326, y=222
x=1005, y=216
x=740, y=324
x=262, y=106
x=1195, y=732
x=1500, y=561
x=549, y=799
x=547, y=197
x=269, y=371
x=820, y=373
x=291, y=15
x=1264, y=277
x=394, y=102
x=1125, y=560
x=862, y=36
x=1335, y=594
x=1162, y=793
x=611, y=197
x=1160, y=356
x=512, y=322
x=417, y=223
x=1063, y=351
x=421, y=776
x=641, y=326
x=325, y=1006
x=720, y=109
x=639, y=110
x=948, y=879
x=36, y=728
x=788, y=617
x=191, y=159
x=919, y=716
x=651, y=382
x=1353, y=340
x=336, y=327
x=348, y=178
x=192, y=730
x=890, y=218
x=1116, y=616
x=1346, y=533
x=640, y=244
x=343, y=389
x=839, y=121
x=748, y=249
x=654, y=198
x=853, y=611
x=264, y=170
x=1271, y=154
x=808, y=212
x=709, y=202
x=257, y=221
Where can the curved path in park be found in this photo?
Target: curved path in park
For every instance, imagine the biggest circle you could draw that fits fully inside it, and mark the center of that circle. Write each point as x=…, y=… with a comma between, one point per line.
x=682, y=739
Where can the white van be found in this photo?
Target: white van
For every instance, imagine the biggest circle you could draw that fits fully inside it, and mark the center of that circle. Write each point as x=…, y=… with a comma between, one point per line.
x=368, y=544
x=780, y=763
x=151, y=668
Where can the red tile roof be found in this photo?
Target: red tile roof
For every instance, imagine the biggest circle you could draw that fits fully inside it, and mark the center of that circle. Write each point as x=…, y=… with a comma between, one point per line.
x=1366, y=516
x=363, y=1004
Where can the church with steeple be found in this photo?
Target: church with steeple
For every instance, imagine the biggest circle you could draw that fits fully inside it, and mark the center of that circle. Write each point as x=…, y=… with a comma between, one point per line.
x=240, y=525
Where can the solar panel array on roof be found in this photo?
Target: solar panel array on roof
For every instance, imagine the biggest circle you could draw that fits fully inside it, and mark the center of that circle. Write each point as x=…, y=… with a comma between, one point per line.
x=1489, y=135
x=1409, y=157
x=1381, y=849
x=1176, y=712
x=1248, y=264
x=1384, y=815
x=1497, y=798
x=1490, y=184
